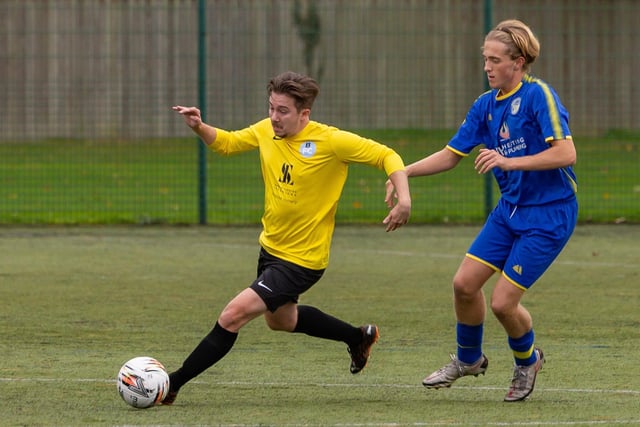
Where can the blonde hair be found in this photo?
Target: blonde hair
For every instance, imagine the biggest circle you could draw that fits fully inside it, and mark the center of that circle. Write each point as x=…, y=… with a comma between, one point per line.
x=518, y=38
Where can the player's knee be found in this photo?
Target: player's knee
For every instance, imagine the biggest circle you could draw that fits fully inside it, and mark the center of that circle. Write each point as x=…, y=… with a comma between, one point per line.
x=283, y=319
x=503, y=308
x=276, y=325
x=505, y=300
x=464, y=290
x=232, y=317
x=498, y=309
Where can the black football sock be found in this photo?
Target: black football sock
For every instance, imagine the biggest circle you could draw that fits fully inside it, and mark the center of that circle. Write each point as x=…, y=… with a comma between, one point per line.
x=211, y=349
x=315, y=323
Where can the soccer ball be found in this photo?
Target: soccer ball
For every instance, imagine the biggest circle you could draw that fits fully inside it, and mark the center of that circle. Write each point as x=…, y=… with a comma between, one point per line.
x=143, y=382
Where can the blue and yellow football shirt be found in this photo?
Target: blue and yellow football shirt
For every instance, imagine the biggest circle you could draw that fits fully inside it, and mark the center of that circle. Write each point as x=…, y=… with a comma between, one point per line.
x=520, y=123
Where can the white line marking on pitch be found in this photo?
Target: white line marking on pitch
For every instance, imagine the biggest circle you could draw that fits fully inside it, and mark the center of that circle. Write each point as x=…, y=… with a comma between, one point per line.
x=328, y=385
x=588, y=263
x=383, y=424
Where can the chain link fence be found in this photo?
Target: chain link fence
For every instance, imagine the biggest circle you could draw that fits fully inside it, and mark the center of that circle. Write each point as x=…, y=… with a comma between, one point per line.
x=87, y=134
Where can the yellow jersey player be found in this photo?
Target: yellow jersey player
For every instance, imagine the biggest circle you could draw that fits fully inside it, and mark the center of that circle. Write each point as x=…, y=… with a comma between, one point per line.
x=304, y=166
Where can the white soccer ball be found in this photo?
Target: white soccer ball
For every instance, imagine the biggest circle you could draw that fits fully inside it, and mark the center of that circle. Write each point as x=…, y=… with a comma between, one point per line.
x=143, y=382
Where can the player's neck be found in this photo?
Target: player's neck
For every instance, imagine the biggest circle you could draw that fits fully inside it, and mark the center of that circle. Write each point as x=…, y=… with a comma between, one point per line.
x=503, y=93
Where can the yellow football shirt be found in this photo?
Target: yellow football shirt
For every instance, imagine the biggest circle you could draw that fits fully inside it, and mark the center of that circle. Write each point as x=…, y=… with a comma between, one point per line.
x=303, y=178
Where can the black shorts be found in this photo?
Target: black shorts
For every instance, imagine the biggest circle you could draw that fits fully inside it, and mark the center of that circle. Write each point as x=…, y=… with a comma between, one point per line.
x=280, y=282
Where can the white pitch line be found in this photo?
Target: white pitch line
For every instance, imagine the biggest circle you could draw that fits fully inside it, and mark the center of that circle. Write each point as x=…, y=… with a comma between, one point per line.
x=326, y=385
x=506, y=424
x=431, y=424
x=521, y=423
x=380, y=424
x=408, y=386
x=594, y=264
x=589, y=263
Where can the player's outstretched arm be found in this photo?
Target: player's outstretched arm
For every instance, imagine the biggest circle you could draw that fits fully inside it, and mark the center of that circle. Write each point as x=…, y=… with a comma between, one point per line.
x=437, y=162
x=440, y=161
x=193, y=119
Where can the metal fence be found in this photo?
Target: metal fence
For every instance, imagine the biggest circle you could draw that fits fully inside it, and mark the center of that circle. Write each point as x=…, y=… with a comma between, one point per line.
x=108, y=71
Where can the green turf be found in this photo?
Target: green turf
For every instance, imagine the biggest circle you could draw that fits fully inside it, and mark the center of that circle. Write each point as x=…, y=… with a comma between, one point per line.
x=77, y=302
x=156, y=181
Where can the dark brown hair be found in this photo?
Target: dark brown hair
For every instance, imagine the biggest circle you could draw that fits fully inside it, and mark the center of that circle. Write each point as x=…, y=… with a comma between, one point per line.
x=301, y=88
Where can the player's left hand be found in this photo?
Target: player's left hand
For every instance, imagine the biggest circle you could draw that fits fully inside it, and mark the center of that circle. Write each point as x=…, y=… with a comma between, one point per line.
x=398, y=202
x=398, y=216
x=390, y=194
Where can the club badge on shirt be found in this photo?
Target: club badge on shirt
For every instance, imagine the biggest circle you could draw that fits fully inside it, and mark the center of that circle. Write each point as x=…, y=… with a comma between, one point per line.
x=515, y=106
x=307, y=149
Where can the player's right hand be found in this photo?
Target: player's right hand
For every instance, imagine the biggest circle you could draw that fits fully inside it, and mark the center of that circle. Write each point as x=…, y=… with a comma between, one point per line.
x=191, y=115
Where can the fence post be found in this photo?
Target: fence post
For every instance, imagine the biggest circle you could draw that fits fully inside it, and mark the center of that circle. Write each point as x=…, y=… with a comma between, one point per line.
x=202, y=102
x=488, y=177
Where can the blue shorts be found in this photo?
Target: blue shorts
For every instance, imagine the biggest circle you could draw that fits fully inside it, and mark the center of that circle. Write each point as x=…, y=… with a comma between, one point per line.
x=523, y=241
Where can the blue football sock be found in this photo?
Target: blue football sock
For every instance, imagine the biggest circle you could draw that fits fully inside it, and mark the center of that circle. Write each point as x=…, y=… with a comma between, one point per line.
x=469, y=342
x=522, y=347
